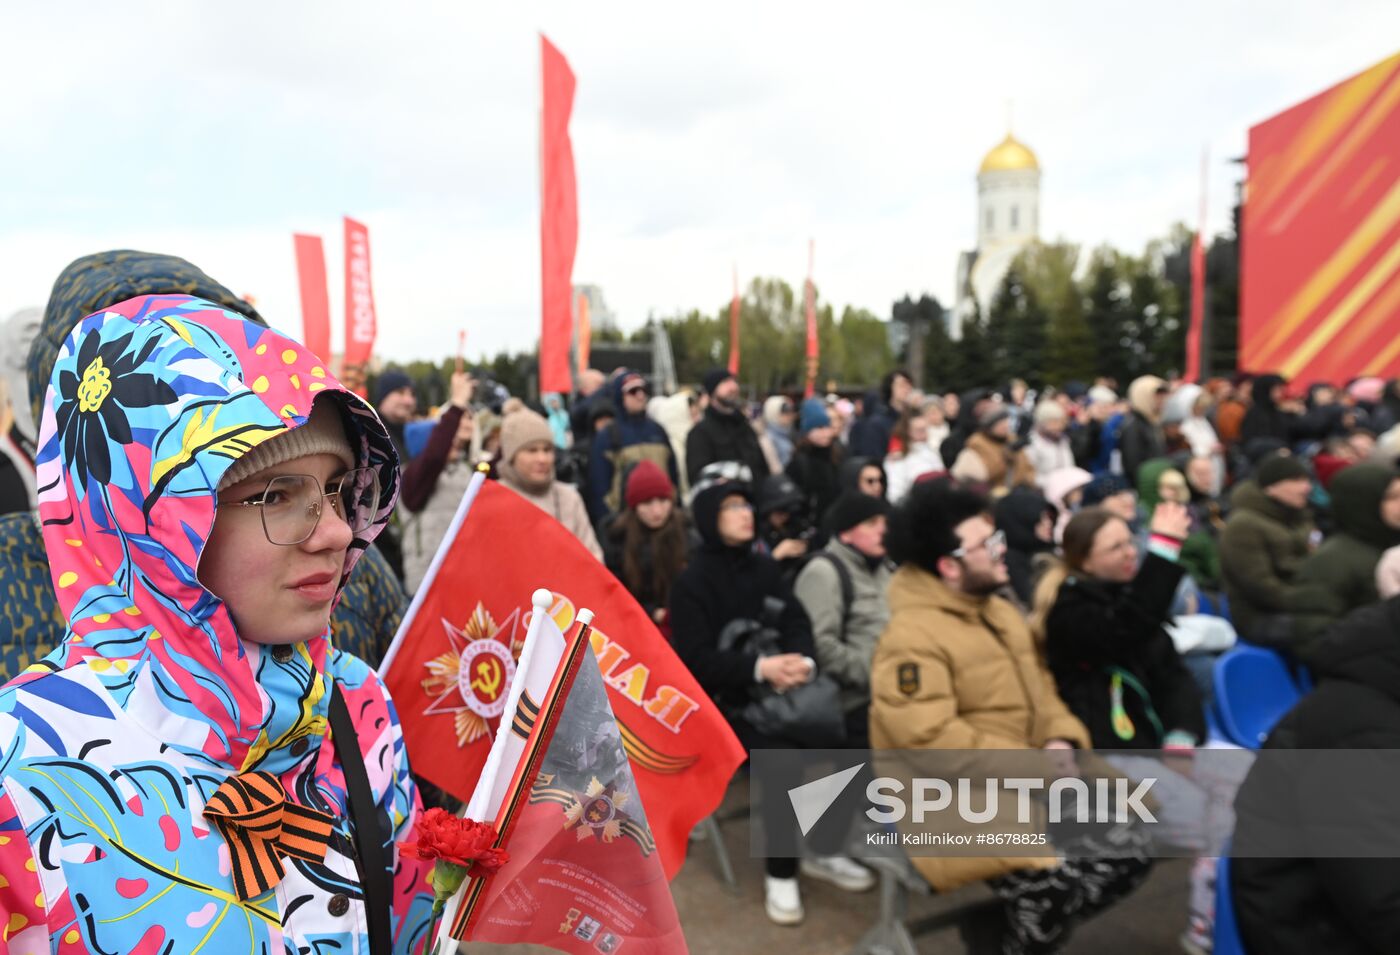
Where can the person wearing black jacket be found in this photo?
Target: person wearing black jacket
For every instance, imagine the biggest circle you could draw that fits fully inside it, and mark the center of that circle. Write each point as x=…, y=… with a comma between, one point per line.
x=1342, y=906
x=971, y=406
x=728, y=581
x=1117, y=670
x=816, y=462
x=724, y=433
x=1270, y=416
x=1142, y=438
x=1028, y=521
x=1105, y=636
x=870, y=436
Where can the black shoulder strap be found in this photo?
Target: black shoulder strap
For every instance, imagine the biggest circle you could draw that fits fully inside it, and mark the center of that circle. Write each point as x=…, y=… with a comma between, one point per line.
x=364, y=818
x=848, y=587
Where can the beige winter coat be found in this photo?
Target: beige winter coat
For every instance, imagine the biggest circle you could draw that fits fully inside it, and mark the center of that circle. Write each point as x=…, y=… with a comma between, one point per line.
x=955, y=672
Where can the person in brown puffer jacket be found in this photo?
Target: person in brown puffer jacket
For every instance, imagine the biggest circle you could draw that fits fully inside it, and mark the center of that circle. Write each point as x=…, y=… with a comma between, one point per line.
x=988, y=458
x=958, y=669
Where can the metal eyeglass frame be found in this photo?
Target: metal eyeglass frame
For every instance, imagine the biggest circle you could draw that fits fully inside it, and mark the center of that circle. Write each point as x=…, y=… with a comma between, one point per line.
x=318, y=506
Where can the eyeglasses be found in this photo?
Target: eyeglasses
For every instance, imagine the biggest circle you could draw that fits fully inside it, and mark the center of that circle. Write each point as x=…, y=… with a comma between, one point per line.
x=995, y=546
x=291, y=504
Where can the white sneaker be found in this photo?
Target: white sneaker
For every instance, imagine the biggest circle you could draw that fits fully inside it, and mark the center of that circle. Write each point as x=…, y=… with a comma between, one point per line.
x=841, y=872
x=782, y=900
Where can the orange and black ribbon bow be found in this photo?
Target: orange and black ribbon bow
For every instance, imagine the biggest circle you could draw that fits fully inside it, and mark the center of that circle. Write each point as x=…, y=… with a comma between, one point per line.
x=253, y=813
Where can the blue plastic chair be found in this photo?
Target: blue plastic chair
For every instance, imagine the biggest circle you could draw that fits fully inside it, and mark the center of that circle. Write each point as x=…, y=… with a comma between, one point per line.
x=1227, y=929
x=1254, y=688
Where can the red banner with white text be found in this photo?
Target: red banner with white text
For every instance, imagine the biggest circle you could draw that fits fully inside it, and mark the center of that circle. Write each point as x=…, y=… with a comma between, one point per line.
x=361, y=325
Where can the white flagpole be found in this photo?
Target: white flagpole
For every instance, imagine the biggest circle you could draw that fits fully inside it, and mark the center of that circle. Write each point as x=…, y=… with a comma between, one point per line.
x=484, y=804
x=478, y=479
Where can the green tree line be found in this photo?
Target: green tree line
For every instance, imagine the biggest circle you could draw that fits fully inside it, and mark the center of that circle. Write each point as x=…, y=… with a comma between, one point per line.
x=1061, y=314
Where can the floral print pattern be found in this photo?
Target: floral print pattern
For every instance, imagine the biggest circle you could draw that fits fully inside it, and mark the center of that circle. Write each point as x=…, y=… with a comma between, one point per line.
x=111, y=745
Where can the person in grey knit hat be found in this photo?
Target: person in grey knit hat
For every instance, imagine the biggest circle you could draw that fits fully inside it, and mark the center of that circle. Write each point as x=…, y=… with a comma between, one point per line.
x=527, y=468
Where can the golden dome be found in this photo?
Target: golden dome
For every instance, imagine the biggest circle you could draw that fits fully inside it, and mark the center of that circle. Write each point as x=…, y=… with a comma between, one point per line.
x=1009, y=154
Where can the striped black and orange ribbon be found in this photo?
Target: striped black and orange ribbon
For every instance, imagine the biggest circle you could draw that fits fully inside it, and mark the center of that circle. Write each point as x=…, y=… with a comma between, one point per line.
x=253, y=813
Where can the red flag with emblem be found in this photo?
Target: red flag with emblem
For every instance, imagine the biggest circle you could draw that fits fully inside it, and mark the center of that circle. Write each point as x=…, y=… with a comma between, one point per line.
x=583, y=875
x=453, y=660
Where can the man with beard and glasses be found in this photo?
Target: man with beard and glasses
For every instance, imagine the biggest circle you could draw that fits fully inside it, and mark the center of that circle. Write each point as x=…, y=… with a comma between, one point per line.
x=958, y=669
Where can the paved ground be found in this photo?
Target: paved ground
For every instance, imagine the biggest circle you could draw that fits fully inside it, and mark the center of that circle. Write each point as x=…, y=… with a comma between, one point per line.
x=720, y=922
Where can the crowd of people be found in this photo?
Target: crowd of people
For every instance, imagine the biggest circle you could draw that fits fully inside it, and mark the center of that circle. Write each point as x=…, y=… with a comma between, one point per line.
x=1005, y=568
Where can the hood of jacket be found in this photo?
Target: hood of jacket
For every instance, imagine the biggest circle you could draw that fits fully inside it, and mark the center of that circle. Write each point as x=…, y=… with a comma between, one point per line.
x=848, y=474
x=1140, y=396
x=672, y=412
x=1356, y=493
x=1262, y=390
x=1148, y=479
x=778, y=492
x=1181, y=404
x=967, y=401
x=1363, y=648
x=17, y=334
x=870, y=403
x=95, y=281
x=1017, y=515
x=773, y=411
x=704, y=511
x=1060, y=482
x=151, y=400
x=615, y=392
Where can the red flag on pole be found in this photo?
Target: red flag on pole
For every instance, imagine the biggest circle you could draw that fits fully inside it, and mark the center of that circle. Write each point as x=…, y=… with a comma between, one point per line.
x=558, y=220
x=583, y=875
x=463, y=620
x=360, y=322
x=315, y=295
x=813, y=343
x=734, y=327
x=1198, y=288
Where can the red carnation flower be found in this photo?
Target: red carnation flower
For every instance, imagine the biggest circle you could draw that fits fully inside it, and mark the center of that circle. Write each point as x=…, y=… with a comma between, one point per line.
x=443, y=836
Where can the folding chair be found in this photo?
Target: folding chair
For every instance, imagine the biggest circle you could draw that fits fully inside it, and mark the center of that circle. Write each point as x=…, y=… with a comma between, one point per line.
x=1227, y=929
x=1253, y=690
x=892, y=933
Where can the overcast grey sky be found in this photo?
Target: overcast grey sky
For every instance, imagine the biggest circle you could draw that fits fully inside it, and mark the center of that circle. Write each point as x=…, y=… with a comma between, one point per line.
x=704, y=135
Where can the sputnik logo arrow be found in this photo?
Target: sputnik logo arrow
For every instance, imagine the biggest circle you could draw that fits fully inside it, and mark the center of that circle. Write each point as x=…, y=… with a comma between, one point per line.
x=810, y=801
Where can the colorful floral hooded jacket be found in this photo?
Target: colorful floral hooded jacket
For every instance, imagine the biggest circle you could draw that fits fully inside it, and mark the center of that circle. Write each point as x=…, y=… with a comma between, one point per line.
x=112, y=745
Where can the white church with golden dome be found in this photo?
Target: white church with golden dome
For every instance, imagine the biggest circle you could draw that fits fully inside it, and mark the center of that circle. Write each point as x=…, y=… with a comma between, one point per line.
x=1008, y=219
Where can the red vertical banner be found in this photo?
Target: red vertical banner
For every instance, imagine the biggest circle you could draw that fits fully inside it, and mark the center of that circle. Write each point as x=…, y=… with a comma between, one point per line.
x=585, y=333
x=360, y=321
x=734, y=327
x=315, y=295
x=558, y=220
x=1198, y=289
x=813, y=342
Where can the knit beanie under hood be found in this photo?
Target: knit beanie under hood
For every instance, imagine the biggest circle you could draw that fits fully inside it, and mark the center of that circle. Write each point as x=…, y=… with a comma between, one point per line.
x=323, y=433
